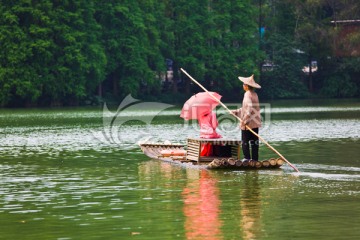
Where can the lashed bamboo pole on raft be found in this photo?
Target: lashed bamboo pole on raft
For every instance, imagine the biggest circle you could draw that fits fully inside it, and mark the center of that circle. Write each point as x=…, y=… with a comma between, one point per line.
x=247, y=127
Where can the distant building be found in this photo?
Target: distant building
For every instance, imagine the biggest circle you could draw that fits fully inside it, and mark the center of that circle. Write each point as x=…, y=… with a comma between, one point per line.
x=267, y=66
x=347, y=40
x=314, y=68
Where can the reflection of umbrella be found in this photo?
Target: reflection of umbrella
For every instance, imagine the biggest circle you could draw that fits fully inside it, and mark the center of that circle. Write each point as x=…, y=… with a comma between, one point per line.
x=199, y=105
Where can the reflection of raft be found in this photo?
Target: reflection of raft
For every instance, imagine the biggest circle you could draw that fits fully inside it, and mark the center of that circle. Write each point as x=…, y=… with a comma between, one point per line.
x=226, y=154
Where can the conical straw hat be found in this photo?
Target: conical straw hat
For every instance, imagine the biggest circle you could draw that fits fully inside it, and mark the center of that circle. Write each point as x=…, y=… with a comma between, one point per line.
x=250, y=81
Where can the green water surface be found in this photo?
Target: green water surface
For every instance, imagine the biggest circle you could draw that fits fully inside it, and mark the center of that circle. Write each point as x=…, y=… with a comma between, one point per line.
x=79, y=174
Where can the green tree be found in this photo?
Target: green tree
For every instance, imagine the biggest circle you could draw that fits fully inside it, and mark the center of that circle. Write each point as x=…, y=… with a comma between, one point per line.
x=132, y=43
x=24, y=38
x=189, y=42
x=315, y=36
x=79, y=61
x=312, y=32
x=50, y=50
x=238, y=46
x=217, y=41
x=285, y=78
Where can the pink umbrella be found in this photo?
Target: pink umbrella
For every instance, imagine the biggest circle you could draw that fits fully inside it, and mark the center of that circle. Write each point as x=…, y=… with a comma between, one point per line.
x=199, y=105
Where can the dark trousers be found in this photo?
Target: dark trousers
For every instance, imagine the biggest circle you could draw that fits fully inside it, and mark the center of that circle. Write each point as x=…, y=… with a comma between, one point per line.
x=248, y=140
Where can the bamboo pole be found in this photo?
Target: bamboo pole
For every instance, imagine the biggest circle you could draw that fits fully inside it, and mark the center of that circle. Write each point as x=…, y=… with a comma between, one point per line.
x=247, y=127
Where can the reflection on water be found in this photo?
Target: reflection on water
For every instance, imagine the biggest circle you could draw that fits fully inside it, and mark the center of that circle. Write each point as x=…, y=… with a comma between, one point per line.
x=250, y=208
x=203, y=209
x=201, y=206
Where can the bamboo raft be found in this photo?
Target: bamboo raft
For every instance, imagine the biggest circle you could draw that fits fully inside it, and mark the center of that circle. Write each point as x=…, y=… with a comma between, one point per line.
x=226, y=154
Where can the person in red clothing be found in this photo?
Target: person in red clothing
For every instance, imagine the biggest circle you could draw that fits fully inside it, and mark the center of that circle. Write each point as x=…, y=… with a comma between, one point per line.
x=250, y=117
x=208, y=124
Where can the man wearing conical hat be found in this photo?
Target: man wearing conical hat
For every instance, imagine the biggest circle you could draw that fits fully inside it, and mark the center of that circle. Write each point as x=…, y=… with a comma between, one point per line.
x=249, y=114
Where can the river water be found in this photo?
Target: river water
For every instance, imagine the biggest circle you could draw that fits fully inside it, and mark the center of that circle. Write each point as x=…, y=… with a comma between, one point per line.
x=77, y=173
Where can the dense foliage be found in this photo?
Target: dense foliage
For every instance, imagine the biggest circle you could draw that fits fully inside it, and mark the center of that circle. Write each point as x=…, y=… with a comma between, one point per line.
x=70, y=52
x=302, y=31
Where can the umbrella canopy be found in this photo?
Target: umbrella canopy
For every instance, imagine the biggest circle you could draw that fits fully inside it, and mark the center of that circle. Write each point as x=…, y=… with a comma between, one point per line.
x=200, y=105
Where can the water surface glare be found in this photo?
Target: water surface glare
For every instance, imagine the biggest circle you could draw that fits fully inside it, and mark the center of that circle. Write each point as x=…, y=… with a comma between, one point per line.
x=66, y=175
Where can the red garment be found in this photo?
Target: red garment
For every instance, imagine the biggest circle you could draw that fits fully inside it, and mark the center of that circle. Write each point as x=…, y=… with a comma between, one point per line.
x=206, y=150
